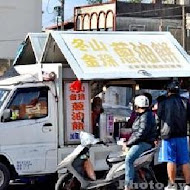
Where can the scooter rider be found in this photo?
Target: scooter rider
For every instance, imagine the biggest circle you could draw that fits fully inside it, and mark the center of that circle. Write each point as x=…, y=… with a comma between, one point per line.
x=142, y=138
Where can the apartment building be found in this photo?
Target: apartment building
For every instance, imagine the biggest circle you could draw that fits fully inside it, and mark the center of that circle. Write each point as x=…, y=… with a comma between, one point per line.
x=17, y=18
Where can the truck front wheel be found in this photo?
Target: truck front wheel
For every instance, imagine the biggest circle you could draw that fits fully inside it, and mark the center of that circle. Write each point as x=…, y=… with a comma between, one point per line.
x=4, y=177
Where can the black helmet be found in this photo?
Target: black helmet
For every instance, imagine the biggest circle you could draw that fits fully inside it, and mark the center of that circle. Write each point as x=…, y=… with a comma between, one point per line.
x=173, y=87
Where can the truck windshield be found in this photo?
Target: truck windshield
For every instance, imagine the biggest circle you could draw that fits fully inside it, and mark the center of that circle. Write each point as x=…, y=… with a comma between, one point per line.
x=3, y=95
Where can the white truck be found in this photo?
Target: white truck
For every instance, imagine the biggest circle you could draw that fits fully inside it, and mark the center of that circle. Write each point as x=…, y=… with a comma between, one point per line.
x=40, y=115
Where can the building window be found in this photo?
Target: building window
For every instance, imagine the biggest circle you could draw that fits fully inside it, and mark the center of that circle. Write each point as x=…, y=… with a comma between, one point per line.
x=109, y=22
x=94, y=21
x=135, y=27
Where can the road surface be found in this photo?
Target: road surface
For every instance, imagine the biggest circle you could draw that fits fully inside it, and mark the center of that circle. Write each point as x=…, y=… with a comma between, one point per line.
x=23, y=186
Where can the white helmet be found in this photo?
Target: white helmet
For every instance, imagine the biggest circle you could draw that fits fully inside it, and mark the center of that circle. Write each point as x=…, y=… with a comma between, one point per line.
x=141, y=101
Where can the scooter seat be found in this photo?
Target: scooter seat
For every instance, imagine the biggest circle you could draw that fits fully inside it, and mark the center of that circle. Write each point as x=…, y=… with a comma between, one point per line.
x=116, y=157
x=149, y=151
x=145, y=158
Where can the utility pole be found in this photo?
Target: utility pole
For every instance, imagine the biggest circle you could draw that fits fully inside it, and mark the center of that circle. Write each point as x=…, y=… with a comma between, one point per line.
x=62, y=14
x=184, y=31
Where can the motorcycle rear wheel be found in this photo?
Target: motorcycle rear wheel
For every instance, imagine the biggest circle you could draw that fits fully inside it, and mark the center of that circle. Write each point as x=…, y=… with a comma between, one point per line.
x=67, y=182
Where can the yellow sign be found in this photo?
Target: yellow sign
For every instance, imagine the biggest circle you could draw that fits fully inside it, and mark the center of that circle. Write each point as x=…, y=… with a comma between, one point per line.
x=115, y=55
x=96, y=53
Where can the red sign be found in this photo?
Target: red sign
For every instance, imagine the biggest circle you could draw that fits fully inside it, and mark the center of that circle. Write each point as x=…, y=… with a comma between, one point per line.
x=77, y=109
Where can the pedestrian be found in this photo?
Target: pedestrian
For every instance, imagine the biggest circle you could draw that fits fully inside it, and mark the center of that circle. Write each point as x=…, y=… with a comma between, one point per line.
x=142, y=138
x=173, y=114
x=97, y=109
x=160, y=169
x=158, y=100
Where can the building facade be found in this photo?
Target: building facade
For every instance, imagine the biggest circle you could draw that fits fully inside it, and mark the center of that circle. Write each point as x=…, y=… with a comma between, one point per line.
x=123, y=16
x=95, y=17
x=17, y=18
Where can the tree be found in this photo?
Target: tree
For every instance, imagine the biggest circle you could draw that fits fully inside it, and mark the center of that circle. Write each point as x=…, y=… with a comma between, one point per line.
x=94, y=1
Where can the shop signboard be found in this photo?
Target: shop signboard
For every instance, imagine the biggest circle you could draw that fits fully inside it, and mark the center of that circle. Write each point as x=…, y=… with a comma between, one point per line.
x=112, y=55
x=77, y=111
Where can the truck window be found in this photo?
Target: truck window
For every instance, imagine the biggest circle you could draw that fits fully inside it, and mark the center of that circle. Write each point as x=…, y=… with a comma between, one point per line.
x=3, y=95
x=29, y=103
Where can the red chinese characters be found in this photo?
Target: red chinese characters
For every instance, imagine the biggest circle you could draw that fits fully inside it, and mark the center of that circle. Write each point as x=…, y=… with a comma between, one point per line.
x=77, y=98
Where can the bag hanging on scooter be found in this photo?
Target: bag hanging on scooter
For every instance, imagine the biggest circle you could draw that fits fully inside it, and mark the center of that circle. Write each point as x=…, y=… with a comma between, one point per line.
x=88, y=168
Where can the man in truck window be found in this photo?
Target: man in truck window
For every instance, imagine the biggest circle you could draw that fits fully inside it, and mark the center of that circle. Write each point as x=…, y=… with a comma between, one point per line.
x=142, y=138
x=173, y=114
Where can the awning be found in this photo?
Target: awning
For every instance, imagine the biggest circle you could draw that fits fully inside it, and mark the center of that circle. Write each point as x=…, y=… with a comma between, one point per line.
x=31, y=49
x=114, y=55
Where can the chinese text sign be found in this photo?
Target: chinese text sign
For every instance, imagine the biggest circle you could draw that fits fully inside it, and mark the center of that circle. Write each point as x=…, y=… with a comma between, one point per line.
x=77, y=111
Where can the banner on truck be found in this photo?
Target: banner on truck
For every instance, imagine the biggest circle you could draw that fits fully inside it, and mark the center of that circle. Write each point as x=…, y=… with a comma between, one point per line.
x=77, y=111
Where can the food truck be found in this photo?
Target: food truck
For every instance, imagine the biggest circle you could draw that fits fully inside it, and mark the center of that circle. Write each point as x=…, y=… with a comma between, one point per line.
x=42, y=114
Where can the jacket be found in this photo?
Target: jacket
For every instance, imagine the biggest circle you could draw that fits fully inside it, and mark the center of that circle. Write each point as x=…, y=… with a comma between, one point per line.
x=143, y=129
x=173, y=114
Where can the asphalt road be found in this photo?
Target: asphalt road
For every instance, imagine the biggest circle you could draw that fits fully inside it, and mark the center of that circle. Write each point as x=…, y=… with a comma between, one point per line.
x=38, y=183
x=28, y=187
x=22, y=186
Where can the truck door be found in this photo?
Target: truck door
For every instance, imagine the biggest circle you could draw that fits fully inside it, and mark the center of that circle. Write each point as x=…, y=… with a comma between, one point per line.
x=30, y=138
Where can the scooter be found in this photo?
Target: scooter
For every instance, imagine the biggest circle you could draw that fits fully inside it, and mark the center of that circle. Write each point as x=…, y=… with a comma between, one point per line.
x=75, y=177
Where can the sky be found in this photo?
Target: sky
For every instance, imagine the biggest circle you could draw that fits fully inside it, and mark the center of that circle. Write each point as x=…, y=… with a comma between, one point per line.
x=48, y=17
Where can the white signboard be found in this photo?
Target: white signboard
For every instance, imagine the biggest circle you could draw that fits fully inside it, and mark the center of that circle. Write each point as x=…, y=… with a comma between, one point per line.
x=107, y=55
x=77, y=111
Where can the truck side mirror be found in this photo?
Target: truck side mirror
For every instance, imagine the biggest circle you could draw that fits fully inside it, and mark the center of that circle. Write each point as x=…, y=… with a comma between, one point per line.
x=7, y=113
